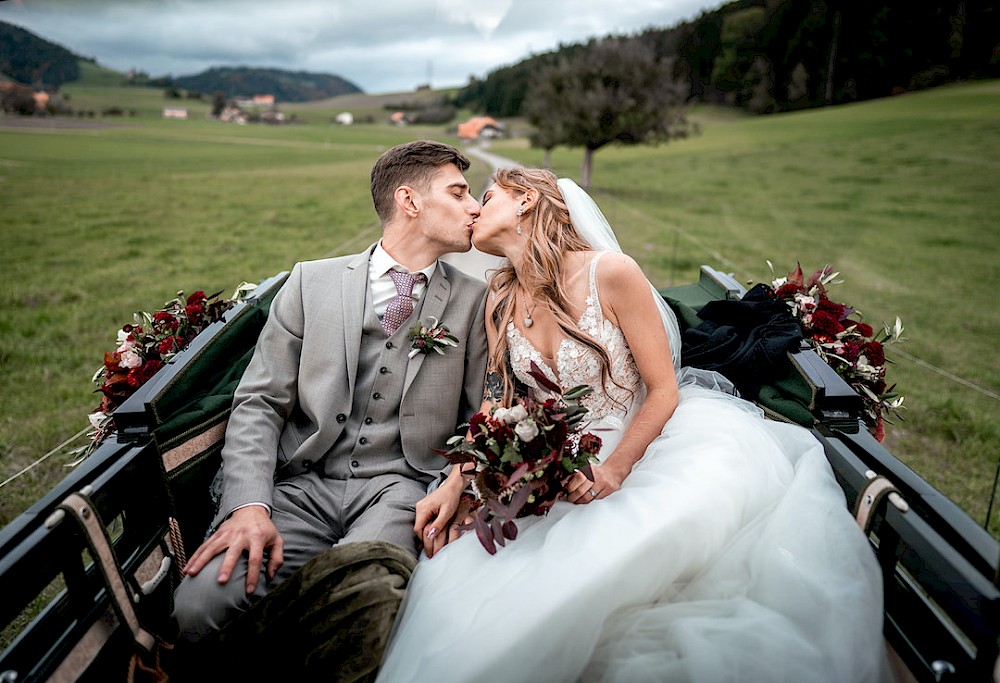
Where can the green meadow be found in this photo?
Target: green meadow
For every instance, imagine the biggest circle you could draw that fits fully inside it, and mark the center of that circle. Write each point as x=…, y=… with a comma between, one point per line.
x=105, y=217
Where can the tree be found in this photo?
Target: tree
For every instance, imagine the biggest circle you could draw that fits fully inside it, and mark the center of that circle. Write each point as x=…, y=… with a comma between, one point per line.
x=613, y=91
x=218, y=103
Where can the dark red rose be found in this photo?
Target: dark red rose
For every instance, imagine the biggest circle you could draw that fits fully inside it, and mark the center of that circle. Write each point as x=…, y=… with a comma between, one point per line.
x=196, y=298
x=476, y=420
x=140, y=375
x=126, y=328
x=825, y=324
x=787, y=290
x=167, y=345
x=875, y=353
x=850, y=352
x=194, y=312
x=590, y=443
x=831, y=307
x=864, y=330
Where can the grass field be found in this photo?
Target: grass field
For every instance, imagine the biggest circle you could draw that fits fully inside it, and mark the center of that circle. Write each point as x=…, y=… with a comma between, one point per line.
x=899, y=195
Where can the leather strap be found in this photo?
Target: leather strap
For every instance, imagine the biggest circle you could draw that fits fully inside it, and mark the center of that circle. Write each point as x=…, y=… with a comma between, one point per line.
x=80, y=509
x=870, y=497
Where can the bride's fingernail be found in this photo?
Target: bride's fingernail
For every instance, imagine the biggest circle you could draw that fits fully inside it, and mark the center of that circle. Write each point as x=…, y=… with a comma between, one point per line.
x=432, y=533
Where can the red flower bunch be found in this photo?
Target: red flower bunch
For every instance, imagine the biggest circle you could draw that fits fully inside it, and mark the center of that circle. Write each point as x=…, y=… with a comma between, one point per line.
x=146, y=345
x=521, y=455
x=848, y=345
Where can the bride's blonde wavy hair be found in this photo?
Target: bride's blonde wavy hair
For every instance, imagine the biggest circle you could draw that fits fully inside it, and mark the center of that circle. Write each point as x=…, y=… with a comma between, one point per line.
x=549, y=233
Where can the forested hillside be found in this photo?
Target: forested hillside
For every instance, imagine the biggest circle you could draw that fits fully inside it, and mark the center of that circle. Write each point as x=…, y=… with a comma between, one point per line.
x=286, y=86
x=28, y=59
x=33, y=61
x=777, y=55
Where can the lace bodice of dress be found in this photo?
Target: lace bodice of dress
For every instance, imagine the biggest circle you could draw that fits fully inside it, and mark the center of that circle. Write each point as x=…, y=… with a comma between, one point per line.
x=576, y=364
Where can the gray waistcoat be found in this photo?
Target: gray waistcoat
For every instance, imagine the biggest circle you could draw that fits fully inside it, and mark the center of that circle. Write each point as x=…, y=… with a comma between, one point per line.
x=369, y=445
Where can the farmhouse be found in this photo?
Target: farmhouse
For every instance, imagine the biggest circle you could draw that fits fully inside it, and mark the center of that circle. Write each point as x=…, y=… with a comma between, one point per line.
x=175, y=113
x=480, y=127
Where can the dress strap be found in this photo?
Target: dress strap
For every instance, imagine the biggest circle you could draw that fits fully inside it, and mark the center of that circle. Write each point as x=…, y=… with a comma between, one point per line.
x=593, y=278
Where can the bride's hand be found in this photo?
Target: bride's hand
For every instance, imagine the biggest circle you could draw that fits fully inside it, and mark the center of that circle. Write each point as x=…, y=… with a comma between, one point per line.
x=607, y=480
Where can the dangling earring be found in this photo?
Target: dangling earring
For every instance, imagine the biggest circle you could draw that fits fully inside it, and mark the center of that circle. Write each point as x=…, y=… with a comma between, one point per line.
x=520, y=210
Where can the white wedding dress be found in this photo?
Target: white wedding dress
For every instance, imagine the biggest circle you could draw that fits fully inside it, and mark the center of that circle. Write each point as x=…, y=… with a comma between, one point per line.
x=728, y=554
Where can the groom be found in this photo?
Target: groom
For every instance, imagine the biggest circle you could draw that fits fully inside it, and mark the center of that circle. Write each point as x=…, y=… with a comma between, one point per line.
x=330, y=436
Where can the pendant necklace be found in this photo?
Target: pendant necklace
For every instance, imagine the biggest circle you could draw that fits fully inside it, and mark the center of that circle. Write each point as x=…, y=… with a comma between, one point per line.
x=528, y=322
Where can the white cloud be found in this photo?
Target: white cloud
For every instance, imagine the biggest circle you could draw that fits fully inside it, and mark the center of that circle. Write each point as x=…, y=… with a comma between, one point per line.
x=381, y=45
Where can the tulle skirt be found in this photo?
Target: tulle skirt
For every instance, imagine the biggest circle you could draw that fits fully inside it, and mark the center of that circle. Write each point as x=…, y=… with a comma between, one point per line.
x=727, y=555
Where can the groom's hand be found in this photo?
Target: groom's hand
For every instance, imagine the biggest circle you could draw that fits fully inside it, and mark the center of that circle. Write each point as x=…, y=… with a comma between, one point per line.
x=249, y=529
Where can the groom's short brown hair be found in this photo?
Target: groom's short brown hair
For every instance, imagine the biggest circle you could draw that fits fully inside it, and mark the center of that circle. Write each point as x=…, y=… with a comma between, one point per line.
x=412, y=163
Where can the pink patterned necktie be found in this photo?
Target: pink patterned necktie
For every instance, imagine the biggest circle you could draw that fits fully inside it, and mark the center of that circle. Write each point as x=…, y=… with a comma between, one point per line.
x=401, y=305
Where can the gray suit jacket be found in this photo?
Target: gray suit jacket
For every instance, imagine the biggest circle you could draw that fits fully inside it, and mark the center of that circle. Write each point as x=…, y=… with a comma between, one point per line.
x=301, y=378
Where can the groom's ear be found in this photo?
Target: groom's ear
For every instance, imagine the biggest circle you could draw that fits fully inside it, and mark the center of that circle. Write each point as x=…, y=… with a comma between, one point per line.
x=407, y=200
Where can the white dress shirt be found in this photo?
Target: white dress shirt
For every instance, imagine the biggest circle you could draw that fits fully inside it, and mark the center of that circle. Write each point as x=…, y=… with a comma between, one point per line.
x=382, y=286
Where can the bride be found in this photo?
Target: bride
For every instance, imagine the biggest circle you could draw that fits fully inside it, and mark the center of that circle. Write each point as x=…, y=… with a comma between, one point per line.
x=711, y=545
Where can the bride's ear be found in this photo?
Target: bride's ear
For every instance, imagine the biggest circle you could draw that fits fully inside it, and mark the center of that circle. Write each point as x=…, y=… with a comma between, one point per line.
x=528, y=200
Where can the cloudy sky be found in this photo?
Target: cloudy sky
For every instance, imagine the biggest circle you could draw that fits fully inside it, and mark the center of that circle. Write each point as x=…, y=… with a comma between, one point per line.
x=380, y=45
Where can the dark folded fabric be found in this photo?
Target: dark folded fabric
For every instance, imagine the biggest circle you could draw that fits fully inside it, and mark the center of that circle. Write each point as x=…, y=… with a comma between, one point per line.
x=746, y=340
x=330, y=621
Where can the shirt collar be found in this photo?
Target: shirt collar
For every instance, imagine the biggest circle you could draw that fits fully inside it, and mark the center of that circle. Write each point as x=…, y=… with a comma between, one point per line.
x=382, y=263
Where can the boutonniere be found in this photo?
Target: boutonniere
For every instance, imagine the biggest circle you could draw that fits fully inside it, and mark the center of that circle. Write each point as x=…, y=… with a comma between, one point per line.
x=434, y=337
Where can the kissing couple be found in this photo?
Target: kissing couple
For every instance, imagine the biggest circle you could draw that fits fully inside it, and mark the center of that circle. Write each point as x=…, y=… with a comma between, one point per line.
x=710, y=544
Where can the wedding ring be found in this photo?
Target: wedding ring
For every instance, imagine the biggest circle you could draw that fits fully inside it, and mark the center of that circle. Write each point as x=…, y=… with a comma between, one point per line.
x=593, y=493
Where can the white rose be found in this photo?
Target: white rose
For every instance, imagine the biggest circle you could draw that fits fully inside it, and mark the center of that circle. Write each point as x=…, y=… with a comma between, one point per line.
x=527, y=430
x=502, y=414
x=517, y=413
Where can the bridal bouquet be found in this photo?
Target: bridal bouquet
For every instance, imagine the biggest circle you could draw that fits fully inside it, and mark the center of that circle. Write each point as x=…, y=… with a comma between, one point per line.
x=522, y=454
x=838, y=335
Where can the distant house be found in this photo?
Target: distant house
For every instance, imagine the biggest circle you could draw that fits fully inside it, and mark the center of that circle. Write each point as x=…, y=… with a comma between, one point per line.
x=399, y=118
x=480, y=127
x=272, y=117
x=175, y=113
x=345, y=118
x=233, y=115
x=41, y=101
x=256, y=103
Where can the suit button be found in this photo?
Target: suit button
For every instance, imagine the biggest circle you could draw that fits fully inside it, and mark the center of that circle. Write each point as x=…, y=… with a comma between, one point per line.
x=363, y=440
x=341, y=418
x=355, y=463
x=376, y=396
x=368, y=420
x=307, y=464
x=382, y=370
x=388, y=345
